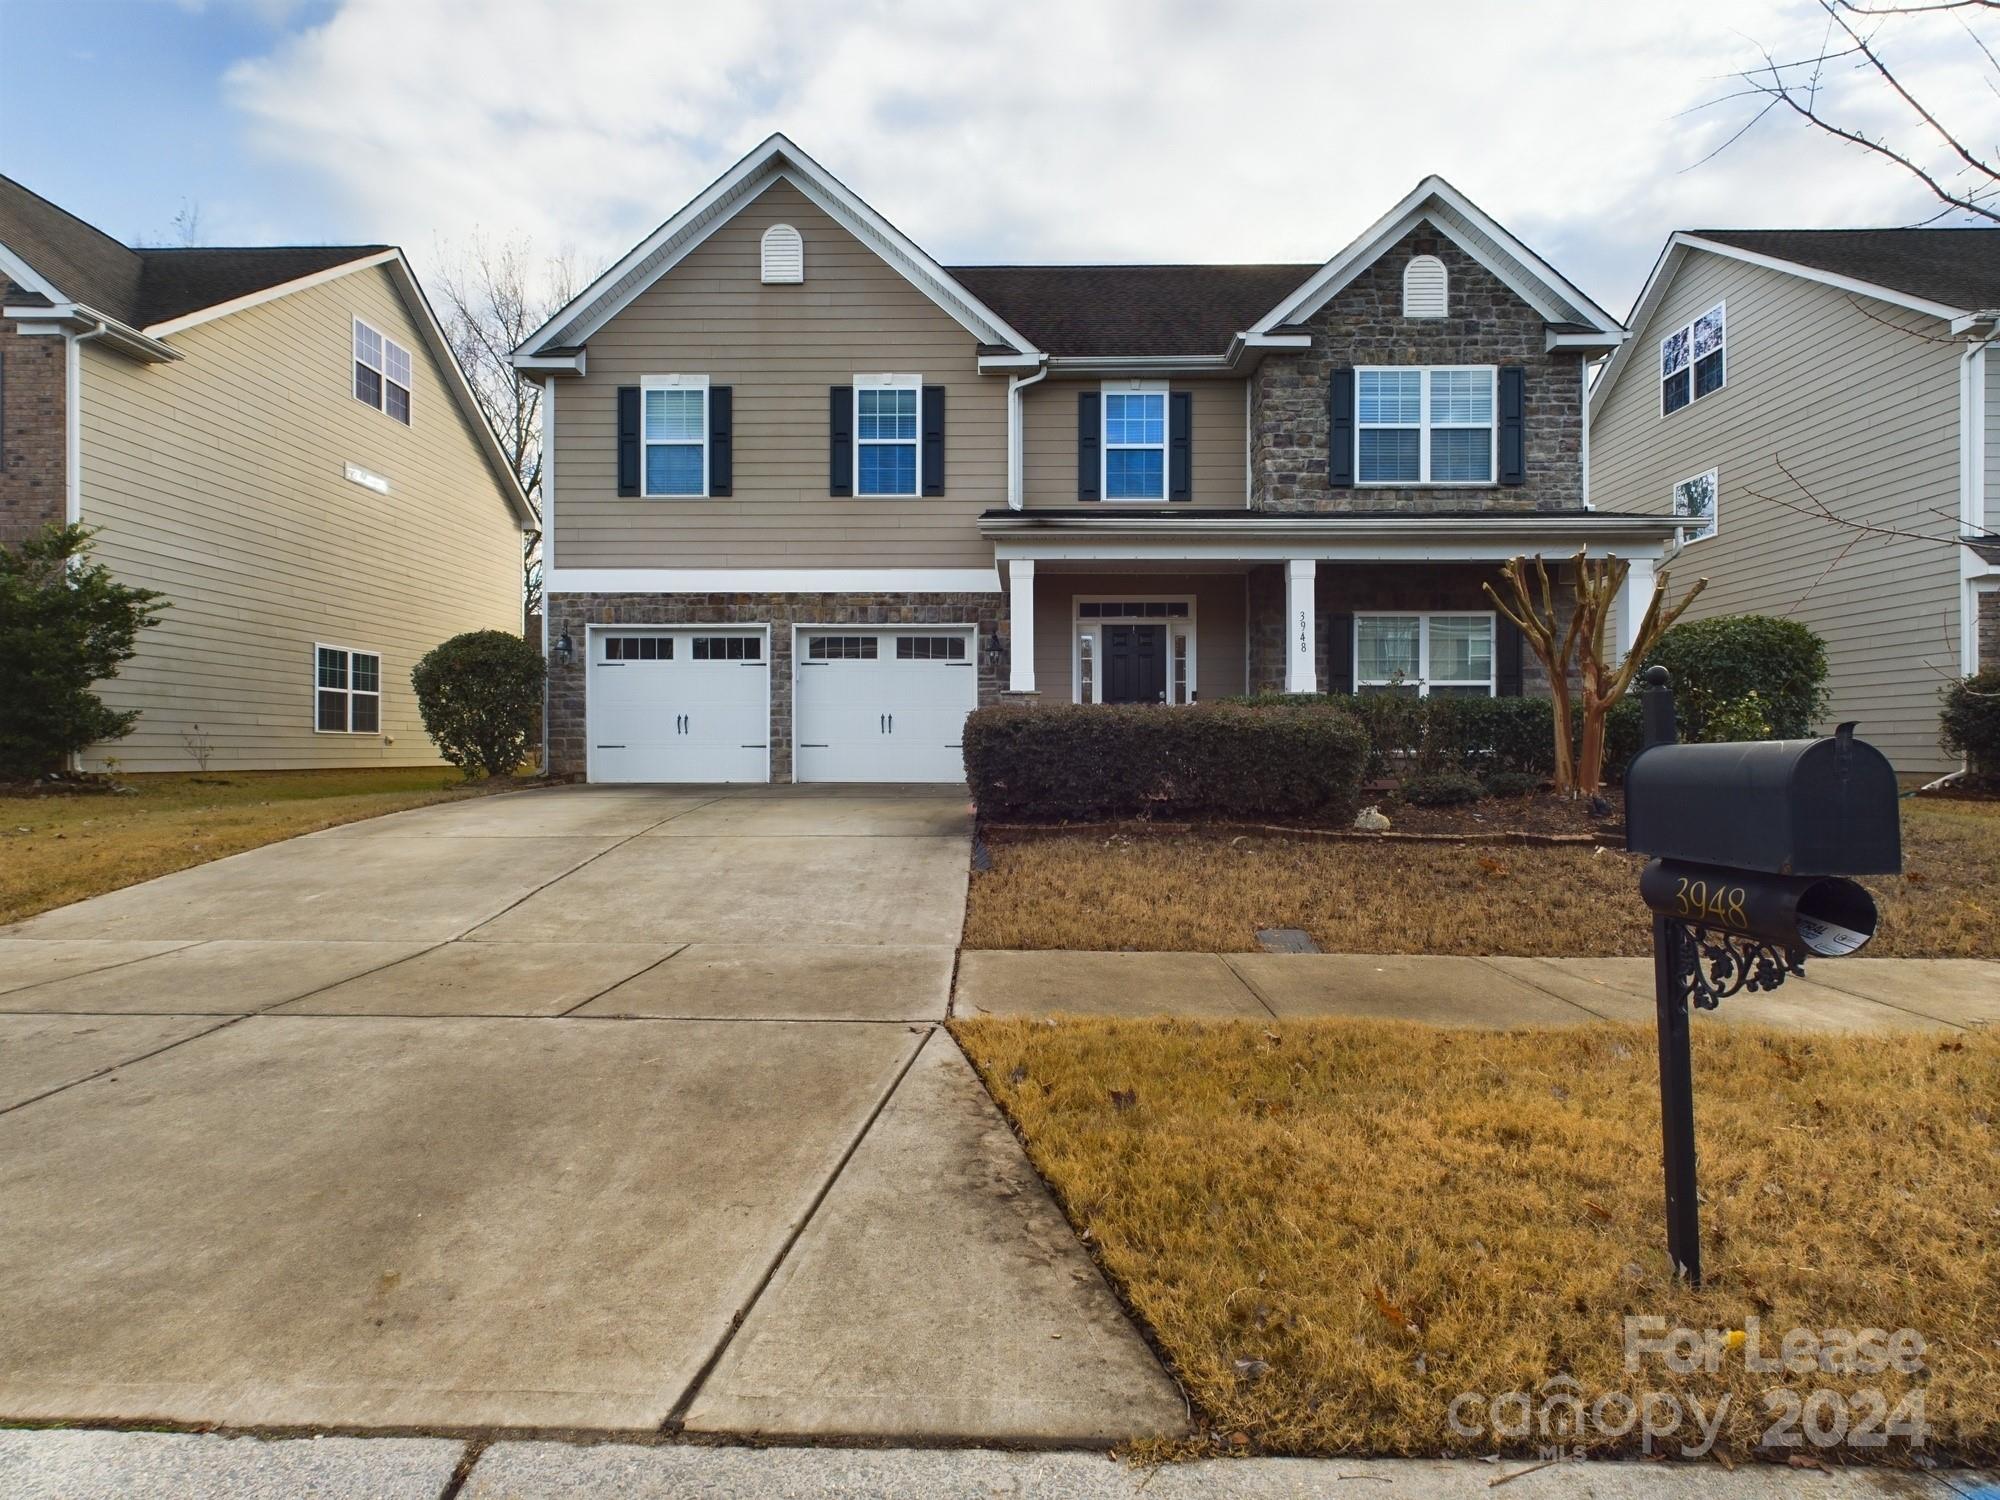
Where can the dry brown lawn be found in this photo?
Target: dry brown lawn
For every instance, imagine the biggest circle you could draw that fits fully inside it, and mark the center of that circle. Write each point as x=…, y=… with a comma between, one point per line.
x=1190, y=892
x=1333, y=1228
x=59, y=849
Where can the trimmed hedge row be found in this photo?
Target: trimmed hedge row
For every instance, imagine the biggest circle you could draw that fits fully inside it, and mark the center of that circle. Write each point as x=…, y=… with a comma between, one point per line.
x=1435, y=736
x=1082, y=762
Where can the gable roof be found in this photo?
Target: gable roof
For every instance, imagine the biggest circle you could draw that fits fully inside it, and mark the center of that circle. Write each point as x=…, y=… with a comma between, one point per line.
x=1136, y=310
x=777, y=159
x=1943, y=273
x=179, y=282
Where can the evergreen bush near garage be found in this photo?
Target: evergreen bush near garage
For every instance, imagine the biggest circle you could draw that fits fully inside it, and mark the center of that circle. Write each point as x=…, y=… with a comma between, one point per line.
x=1440, y=789
x=480, y=694
x=1970, y=722
x=1721, y=661
x=1224, y=761
x=65, y=625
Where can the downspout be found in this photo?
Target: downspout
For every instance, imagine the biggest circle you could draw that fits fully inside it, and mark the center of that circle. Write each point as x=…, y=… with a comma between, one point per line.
x=1015, y=454
x=1972, y=494
x=73, y=422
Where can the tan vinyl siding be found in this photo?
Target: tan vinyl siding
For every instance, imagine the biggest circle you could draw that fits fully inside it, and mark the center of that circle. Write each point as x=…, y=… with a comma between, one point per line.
x=1866, y=417
x=220, y=480
x=1218, y=617
x=1048, y=431
x=779, y=348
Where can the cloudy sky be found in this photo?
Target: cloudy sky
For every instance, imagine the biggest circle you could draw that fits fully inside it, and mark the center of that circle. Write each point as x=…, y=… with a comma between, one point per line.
x=1097, y=130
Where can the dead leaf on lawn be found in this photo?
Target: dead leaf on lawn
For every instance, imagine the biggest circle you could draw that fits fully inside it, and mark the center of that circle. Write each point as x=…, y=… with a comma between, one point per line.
x=1124, y=1099
x=1391, y=1313
x=1252, y=1370
x=1018, y=1074
x=1597, y=1211
x=1492, y=866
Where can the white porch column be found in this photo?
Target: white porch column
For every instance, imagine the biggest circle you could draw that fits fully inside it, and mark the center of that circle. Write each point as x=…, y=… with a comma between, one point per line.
x=1630, y=606
x=1301, y=636
x=1021, y=626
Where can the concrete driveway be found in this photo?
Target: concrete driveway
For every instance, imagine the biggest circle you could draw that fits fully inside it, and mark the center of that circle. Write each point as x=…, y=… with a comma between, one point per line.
x=600, y=1108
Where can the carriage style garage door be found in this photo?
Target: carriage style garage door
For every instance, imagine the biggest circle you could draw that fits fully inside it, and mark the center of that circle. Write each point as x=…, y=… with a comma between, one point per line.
x=679, y=705
x=883, y=705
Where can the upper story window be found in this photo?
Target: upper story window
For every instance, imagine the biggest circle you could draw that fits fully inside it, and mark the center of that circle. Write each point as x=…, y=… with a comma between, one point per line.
x=1418, y=425
x=674, y=430
x=382, y=372
x=885, y=434
x=1697, y=499
x=784, y=254
x=1426, y=285
x=1135, y=441
x=1691, y=361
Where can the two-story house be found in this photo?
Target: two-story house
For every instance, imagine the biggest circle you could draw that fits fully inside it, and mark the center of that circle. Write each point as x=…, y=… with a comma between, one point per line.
x=1819, y=410
x=811, y=496
x=279, y=441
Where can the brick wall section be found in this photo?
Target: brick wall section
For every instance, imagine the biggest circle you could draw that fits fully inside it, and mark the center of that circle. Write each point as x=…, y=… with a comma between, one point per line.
x=1364, y=325
x=1341, y=588
x=33, y=451
x=573, y=612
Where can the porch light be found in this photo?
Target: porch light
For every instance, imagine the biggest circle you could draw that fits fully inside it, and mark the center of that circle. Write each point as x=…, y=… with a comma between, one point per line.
x=565, y=649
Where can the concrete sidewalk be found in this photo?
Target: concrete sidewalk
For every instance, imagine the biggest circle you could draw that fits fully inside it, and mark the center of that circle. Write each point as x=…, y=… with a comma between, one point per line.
x=98, y=1465
x=1854, y=994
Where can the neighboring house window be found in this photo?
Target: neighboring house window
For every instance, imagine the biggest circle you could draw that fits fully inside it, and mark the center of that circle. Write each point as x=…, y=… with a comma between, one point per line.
x=1424, y=655
x=1691, y=361
x=1135, y=441
x=382, y=372
x=1697, y=499
x=784, y=254
x=1416, y=425
x=347, y=688
x=885, y=434
x=674, y=429
x=1425, y=287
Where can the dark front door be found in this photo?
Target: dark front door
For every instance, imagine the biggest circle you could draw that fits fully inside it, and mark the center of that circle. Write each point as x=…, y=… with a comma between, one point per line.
x=1135, y=663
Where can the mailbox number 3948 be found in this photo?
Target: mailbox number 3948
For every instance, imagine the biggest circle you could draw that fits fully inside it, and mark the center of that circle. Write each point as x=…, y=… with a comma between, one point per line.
x=1697, y=902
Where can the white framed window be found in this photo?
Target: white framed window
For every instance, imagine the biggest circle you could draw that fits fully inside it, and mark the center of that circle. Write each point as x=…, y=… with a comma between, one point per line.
x=673, y=430
x=347, y=691
x=1133, y=445
x=784, y=255
x=1425, y=424
x=1447, y=655
x=1426, y=287
x=1692, y=360
x=885, y=433
x=383, y=372
x=1699, y=499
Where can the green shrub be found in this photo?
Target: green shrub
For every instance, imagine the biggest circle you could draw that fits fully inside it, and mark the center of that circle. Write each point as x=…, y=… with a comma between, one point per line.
x=1723, y=660
x=1624, y=735
x=1737, y=721
x=1071, y=761
x=1512, y=784
x=64, y=626
x=1970, y=722
x=479, y=694
x=1440, y=789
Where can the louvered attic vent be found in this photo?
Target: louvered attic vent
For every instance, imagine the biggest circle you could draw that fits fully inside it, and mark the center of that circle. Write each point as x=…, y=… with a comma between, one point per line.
x=1424, y=287
x=784, y=254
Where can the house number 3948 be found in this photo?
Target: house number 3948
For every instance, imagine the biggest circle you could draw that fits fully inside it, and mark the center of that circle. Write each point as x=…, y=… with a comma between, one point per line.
x=1305, y=634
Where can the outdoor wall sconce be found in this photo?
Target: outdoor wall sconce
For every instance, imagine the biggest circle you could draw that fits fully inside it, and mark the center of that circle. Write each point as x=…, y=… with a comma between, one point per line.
x=996, y=651
x=565, y=649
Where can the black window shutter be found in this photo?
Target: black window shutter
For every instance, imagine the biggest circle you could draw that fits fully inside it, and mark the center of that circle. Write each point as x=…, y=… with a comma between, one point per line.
x=721, y=440
x=840, y=440
x=933, y=431
x=1340, y=652
x=1340, y=430
x=1513, y=425
x=1506, y=657
x=1180, y=423
x=628, y=440
x=1089, y=433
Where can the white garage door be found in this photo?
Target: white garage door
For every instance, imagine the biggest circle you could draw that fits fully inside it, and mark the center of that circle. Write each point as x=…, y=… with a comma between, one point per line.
x=679, y=705
x=884, y=705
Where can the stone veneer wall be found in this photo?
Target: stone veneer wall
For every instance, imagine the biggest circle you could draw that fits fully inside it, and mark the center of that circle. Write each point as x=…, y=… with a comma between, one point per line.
x=1364, y=325
x=33, y=444
x=572, y=612
x=1989, y=630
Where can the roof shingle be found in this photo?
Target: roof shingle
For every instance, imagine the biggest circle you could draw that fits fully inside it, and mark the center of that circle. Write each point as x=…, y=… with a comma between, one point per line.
x=1957, y=267
x=1137, y=310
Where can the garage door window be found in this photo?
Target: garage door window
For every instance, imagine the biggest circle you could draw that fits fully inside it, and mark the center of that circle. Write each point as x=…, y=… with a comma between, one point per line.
x=930, y=648
x=840, y=648
x=639, y=648
x=347, y=688
x=728, y=648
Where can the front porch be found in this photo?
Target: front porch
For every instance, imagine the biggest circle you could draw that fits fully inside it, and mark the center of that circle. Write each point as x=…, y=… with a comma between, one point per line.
x=1183, y=607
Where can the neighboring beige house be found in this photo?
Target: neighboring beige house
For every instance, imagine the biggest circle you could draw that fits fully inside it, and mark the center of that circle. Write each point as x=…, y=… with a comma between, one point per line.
x=1821, y=405
x=812, y=496
x=277, y=439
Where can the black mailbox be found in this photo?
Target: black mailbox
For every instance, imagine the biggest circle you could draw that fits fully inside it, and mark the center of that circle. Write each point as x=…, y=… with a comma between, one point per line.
x=1783, y=807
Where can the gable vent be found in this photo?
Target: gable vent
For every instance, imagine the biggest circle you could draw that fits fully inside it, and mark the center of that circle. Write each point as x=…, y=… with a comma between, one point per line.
x=784, y=254
x=1424, y=287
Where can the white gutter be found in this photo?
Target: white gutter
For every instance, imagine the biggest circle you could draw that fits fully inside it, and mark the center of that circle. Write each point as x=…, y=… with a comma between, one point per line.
x=1016, y=445
x=1974, y=504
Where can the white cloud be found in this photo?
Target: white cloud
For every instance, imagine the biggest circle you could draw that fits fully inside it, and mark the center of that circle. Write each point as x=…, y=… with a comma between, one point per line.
x=1079, y=130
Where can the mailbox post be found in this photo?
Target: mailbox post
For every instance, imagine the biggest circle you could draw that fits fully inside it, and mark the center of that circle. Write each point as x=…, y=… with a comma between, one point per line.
x=1752, y=845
